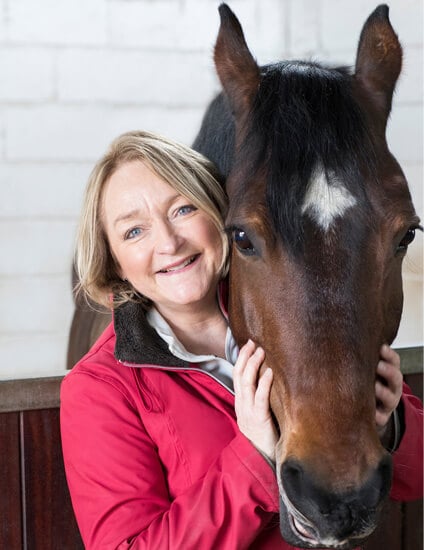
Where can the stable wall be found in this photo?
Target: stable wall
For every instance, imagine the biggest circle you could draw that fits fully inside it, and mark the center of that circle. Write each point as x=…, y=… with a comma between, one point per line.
x=74, y=74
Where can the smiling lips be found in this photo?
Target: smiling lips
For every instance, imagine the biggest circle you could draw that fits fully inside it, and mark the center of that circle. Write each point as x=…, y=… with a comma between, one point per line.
x=180, y=265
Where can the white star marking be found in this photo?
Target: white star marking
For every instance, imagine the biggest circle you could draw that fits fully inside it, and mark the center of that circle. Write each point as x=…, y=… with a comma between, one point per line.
x=325, y=201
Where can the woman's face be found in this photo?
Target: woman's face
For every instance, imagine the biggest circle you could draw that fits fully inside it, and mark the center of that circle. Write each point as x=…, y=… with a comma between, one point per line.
x=169, y=250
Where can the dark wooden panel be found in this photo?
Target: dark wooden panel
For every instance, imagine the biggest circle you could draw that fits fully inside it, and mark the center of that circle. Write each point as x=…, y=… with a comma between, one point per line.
x=29, y=394
x=415, y=382
x=388, y=535
x=50, y=522
x=413, y=526
x=10, y=490
x=411, y=359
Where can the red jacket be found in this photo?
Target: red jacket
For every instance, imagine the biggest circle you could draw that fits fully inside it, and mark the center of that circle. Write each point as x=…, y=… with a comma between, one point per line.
x=154, y=457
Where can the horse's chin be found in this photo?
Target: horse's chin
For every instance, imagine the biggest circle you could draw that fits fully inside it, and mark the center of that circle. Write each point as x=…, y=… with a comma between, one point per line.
x=298, y=531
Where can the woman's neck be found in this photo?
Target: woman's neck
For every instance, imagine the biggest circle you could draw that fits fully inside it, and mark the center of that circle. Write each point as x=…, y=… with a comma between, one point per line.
x=200, y=330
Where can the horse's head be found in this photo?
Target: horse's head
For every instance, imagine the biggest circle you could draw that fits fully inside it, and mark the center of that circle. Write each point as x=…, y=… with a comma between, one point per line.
x=321, y=217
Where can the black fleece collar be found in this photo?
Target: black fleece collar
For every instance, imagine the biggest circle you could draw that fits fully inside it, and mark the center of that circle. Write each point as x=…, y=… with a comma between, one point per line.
x=137, y=342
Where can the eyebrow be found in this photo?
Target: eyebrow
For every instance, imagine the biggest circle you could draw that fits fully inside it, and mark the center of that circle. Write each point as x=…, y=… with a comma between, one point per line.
x=127, y=216
x=136, y=212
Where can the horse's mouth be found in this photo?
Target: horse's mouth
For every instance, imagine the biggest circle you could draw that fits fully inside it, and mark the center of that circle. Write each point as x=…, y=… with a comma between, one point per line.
x=301, y=528
x=305, y=533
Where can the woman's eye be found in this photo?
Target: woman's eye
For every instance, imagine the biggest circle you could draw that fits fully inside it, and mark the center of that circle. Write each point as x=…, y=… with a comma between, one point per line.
x=186, y=209
x=406, y=240
x=132, y=233
x=242, y=241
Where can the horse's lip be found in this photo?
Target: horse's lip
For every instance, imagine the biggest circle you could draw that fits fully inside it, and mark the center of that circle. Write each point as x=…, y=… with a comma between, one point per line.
x=302, y=530
x=299, y=524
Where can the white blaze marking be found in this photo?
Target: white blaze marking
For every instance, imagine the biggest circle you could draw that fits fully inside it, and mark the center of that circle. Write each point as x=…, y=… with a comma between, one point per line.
x=325, y=201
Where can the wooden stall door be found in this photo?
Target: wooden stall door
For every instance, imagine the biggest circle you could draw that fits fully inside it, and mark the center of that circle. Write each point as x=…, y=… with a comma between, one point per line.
x=35, y=506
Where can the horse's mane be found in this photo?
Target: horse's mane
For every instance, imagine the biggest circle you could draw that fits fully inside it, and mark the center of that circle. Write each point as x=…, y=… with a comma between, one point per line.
x=305, y=119
x=216, y=136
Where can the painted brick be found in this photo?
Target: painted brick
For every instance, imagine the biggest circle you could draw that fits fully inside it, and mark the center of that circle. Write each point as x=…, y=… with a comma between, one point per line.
x=36, y=247
x=164, y=24
x=131, y=77
x=343, y=21
x=83, y=133
x=42, y=190
x=263, y=25
x=407, y=20
x=415, y=176
x=76, y=74
x=146, y=24
x=200, y=23
x=44, y=302
x=413, y=263
x=3, y=17
x=57, y=21
x=411, y=326
x=410, y=84
x=405, y=133
x=2, y=133
x=304, y=28
x=32, y=354
x=193, y=25
x=27, y=74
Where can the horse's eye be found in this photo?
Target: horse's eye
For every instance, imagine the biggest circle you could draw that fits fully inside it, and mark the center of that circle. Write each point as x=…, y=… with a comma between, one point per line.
x=406, y=240
x=243, y=242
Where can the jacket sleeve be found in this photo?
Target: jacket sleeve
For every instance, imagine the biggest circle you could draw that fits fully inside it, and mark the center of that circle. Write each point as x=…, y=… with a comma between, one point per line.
x=118, y=487
x=408, y=458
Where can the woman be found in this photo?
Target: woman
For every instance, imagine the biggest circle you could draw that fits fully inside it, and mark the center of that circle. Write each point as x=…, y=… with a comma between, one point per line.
x=154, y=454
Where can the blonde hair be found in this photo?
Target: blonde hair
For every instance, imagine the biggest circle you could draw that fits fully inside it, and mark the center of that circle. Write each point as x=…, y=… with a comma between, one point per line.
x=185, y=170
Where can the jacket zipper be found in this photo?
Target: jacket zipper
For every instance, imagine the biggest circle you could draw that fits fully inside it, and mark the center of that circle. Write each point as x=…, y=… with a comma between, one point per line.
x=178, y=369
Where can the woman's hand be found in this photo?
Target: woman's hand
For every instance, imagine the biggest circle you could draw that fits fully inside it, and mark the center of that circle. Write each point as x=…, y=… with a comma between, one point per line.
x=252, y=399
x=388, y=387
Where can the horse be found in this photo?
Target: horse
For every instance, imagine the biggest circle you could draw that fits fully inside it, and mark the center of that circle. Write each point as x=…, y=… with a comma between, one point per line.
x=320, y=218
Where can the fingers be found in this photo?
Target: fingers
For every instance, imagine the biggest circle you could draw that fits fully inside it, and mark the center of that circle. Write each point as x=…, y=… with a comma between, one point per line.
x=252, y=393
x=388, y=386
x=263, y=391
x=388, y=369
x=245, y=375
x=389, y=355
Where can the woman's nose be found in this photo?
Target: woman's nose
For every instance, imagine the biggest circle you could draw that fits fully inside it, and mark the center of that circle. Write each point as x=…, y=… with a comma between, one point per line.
x=167, y=238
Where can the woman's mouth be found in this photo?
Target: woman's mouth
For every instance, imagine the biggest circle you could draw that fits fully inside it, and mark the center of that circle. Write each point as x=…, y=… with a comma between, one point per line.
x=179, y=265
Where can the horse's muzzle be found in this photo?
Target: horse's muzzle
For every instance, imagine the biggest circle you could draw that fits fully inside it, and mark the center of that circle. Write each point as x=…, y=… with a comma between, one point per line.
x=312, y=516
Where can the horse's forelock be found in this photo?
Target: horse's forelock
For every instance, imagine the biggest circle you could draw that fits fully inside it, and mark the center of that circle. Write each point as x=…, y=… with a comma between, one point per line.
x=305, y=119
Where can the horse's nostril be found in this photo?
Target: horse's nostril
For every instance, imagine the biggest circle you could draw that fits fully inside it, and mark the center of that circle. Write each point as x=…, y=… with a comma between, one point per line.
x=292, y=477
x=377, y=487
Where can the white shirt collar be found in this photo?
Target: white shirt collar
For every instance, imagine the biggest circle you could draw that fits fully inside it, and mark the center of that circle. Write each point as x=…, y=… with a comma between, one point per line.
x=217, y=366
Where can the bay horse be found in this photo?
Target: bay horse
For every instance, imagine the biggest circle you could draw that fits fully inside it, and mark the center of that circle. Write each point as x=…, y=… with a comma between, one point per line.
x=320, y=219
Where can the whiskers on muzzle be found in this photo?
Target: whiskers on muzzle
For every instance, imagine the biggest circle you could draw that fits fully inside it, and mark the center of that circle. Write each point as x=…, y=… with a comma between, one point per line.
x=312, y=516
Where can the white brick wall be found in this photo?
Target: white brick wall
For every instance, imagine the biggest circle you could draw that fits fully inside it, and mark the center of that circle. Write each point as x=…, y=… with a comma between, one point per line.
x=75, y=73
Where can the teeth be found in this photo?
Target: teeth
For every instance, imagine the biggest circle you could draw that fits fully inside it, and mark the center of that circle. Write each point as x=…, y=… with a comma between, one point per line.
x=179, y=266
x=302, y=530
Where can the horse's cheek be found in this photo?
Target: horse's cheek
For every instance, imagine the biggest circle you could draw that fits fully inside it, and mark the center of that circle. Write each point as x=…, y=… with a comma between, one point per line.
x=394, y=306
x=277, y=404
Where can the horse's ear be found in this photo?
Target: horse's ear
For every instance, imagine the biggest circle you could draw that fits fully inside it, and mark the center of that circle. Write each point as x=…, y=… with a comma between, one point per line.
x=236, y=68
x=379, y=59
